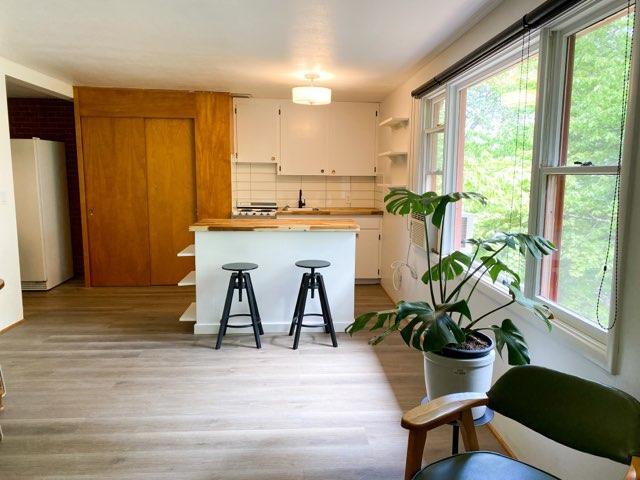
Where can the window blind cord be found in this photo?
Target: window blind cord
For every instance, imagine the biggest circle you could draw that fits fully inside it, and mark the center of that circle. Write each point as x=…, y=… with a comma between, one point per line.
x=614, y=225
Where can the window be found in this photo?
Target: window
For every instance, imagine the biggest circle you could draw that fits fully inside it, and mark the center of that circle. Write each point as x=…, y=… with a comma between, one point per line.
x=434, y=126
x=494, y=152
x=580, y=182
x=542, y=143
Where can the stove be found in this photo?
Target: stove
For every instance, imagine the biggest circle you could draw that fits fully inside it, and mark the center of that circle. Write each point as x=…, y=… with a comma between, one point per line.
x=255, y=209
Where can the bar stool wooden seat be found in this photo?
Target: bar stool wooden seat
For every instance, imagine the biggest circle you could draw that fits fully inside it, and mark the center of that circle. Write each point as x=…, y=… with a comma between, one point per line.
x=240, y=280
x=310, y=282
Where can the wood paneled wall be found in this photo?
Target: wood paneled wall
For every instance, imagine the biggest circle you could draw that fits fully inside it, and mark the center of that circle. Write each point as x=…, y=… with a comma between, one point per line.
x=210, y=113
x=213, y=154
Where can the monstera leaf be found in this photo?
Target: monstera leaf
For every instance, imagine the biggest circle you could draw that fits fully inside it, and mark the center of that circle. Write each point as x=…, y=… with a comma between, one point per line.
x=509, y=335
x=495, y=267
x=444, y=200
x=402, y=201
x=421, y=327
x=539, y=309
x=451, y=266
x=523, y=242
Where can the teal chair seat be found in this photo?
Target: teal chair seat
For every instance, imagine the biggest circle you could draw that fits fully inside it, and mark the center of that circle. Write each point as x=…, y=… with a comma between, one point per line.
x=481, y=466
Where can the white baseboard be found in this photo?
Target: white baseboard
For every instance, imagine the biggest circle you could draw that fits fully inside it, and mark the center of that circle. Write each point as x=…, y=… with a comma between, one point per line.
x=209, y=329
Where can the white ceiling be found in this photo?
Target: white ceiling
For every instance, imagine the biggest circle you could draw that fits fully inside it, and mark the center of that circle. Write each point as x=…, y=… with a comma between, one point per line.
x=262, y=47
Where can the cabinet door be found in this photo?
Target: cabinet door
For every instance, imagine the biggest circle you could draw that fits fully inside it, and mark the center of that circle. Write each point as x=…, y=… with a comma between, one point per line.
x=257, y=130
x=352, y=139
x=304, y=130
x=172, y=197
x=367, y=254
x=115, y=176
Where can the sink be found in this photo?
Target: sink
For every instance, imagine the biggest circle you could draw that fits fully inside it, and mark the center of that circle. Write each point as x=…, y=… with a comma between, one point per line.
x=303, y=209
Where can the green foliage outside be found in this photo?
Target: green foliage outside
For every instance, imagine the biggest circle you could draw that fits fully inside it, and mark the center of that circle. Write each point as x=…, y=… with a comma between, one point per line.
x=498, y=150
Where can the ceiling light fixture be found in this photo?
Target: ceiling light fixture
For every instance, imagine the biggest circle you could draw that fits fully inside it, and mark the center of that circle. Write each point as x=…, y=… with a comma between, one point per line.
x=311, y=95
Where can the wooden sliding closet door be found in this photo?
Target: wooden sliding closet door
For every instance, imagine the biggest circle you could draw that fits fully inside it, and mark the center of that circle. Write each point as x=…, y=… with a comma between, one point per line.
x=172, y=196
x=115, y=176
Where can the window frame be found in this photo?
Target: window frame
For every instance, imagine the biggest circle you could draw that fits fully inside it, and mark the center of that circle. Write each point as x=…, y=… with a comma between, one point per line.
x=509, y=57
x=549, y=43
x=428, y=134
x=550, y=121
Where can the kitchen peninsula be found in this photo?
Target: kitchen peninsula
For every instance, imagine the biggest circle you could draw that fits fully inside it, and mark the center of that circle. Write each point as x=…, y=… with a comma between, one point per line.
x=274, y=244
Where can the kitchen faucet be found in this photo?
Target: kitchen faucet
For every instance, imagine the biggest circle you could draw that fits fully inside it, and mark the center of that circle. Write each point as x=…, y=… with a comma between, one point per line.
x=301, y=202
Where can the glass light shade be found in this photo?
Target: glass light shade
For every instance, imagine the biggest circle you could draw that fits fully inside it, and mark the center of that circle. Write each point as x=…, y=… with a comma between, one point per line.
x=311, y=95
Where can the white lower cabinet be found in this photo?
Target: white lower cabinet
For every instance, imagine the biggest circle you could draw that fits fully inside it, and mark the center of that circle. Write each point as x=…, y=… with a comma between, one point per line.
x=368, y=254
x=368, y=242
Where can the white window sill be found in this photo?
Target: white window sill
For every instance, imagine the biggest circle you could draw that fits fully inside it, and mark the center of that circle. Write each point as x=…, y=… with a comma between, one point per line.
x=598, y=351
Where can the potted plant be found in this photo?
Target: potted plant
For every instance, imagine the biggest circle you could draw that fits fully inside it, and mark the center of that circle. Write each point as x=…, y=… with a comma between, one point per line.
x=458, y=356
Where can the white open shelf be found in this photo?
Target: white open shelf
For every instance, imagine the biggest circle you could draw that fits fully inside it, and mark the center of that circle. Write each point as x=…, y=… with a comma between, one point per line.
x=188, y=280
x=392, y=153
x=190, y=251
x=394, y=122
x=189, y=314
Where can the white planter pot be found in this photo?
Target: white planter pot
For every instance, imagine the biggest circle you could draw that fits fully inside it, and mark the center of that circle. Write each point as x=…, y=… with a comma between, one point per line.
x=445, y=375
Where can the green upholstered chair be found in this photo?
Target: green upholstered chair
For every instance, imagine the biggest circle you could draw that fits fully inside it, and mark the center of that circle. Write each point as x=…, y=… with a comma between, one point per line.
x=580, y=414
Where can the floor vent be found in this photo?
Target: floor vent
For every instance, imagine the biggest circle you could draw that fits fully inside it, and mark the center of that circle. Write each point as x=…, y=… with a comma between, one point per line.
x=27, y=285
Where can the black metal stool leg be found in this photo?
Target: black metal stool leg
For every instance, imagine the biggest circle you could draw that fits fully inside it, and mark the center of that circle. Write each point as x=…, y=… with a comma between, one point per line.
x=254, y=317
x=301, y=306
x=225, y=311
x=297, y=307
x=326, y=311
x=251, y=295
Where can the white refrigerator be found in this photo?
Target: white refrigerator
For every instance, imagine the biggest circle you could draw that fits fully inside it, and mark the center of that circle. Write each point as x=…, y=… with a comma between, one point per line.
x=42, y=211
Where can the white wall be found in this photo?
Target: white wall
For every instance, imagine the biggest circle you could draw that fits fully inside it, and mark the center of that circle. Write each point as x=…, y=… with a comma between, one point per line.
x=11, y=295
x=546, y=349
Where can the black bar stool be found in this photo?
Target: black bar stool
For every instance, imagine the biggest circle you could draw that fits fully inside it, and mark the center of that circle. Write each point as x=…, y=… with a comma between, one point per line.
x=240, y=280
x=311, y=282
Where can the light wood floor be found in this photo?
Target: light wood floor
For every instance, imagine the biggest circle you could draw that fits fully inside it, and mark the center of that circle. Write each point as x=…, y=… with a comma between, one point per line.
x=106, y=383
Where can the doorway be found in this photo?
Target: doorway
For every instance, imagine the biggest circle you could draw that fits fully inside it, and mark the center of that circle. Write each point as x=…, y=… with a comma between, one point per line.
x=45, y=177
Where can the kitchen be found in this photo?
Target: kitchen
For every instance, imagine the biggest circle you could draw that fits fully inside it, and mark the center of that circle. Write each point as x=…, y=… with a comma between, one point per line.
x=305, y=166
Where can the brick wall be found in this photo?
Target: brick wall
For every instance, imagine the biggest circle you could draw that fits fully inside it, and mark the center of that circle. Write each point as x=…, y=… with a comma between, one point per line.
x=52, y=119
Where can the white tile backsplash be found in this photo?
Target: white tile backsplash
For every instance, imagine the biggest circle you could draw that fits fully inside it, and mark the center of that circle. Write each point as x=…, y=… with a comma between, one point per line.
x=259, y=182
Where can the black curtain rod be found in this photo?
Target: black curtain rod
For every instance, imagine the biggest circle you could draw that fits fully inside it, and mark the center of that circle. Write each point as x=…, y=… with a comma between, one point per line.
x=532, y=20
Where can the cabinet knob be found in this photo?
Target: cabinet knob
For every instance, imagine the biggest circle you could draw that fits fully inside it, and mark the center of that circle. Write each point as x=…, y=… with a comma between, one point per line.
x=91, y=212
x=333, y=172
x=322, y=170
x=273, y=158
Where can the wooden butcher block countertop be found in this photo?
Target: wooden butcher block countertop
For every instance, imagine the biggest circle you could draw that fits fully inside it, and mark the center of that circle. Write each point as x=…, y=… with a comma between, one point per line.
x=346, y=211
x=274, y=224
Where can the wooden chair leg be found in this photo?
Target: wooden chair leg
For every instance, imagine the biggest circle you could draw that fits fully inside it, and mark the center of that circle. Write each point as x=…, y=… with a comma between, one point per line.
x=469, y=437
x=634, y=469
x=415, y=449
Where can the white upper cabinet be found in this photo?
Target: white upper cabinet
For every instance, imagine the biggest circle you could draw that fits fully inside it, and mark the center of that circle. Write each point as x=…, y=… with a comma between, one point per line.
x=337, y=139
x=304, y=139
x=257, y=130
x=352, y=139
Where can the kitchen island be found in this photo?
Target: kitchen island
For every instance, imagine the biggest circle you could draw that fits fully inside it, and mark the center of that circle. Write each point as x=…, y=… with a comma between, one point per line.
x=275, y=245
